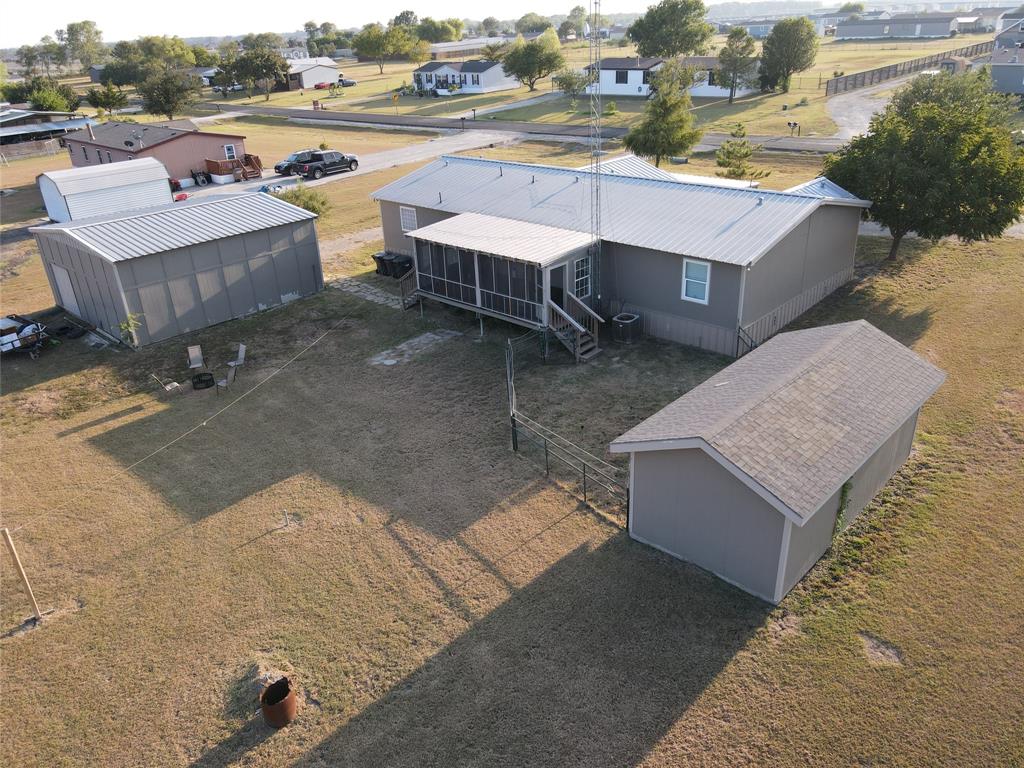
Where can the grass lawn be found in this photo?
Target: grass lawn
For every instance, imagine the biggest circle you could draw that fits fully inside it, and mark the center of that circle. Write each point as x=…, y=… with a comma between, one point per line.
x=274, y=138
x=435, y=595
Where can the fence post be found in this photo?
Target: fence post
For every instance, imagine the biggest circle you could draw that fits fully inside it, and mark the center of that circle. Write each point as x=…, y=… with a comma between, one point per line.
x=547, y=467
x=515, y=432
x=21, y=572
x=584, y=481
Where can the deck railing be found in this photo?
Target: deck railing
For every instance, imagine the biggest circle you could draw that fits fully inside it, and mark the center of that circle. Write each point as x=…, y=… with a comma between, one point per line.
x=568, y=331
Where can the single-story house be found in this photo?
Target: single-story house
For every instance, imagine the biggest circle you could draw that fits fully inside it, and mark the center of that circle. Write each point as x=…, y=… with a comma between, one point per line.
x=179, y=267
x=1010, y=18
x=18, y=125
x=757, y=28
x=708, y=83
x=474, y=76
x=460, y=49
x=1012, y=35
x=307, y=73
x=752, y=473
x=989, y=18
x=98, y=190
x=715, y=267
x=898, y=26
x=1007, y=70
x=627, y=76
x=181, y=151
x=205, y=74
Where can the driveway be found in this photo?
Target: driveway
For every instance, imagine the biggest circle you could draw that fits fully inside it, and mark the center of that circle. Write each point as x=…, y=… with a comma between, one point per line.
x=852, y=111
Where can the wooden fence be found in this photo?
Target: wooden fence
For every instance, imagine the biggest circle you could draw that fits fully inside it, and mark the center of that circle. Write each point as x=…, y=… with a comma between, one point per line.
x=891, y=72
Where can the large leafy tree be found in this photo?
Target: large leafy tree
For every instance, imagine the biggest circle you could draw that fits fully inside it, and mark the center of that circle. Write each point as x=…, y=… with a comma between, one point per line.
x=84, y=43
x=205, y=58
x=264, y=41
x=405, y=19
x=532, y=22
x=790, y=47
x=109, y=97
x=161, y=53
x=263, y=66
x=490, y=25
x=940, y=161
x=380, y=44
x=28, y=57
x=737, y=62
x=48, y=99
x=578, y=18
x=530, y=62
x=437, y=30
x=671, y=28
x=169, y=93
x=667, y=127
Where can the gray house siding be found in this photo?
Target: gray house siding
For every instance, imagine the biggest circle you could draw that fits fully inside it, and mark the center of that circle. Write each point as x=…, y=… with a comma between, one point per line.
x=890, y=28
x=686, y=504
x=395, y=240
x=190, y=288
x=650, y=284
x=92, y=278
x=803, y=268
x=807, y=543
x=1008, y=78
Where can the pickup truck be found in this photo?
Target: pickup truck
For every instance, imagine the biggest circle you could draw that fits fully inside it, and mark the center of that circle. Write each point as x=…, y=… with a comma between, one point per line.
x=329, y=161
x=294, y=161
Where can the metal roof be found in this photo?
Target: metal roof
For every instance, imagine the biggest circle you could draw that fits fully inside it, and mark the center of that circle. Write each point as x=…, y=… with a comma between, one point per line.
x=61, y=125
x=801, y=413
x=13, y=113
x=92, y=177
x=177, y=225
x=508, y=238
x=629, y=62
x=734, y=226
x=822, y=187
x=472, y=66
x=638, y=168
x=301, y=65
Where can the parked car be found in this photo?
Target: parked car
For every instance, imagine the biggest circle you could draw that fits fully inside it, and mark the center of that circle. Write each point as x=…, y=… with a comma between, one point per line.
x=322, y=163
x=322, y=86
x=345, y=82
x=291, y=164
x=229, y=88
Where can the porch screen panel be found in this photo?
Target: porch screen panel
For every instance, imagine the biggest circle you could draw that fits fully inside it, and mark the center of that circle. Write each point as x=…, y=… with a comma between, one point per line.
x=446, y=271
x=511, y=288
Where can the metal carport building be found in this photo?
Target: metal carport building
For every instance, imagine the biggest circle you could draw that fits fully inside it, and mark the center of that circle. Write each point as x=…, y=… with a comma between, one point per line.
x=184, y=266
x=751, y=474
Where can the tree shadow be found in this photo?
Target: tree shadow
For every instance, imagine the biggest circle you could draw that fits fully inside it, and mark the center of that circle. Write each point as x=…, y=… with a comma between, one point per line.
x=589, y=664
x=245, y=739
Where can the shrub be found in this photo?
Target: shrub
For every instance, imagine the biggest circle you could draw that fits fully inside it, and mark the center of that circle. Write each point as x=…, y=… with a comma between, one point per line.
x=611, y=108
x=313, y=200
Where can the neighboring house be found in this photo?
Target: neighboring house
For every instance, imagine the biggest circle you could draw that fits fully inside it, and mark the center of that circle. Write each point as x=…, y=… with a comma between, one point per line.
x=475, y=76
x=81, y=193
x=205, y=74
x=306, y=73
x=179, y=267
x=629, y=76
x=18, y=125
x=1010, y=18
x=460, y=49
x=752, y=473
x=1007, y=70
x=1012, y=35
x=757, y=28
x=708, y=83
x=714, y=267
x=965, y=25
x=181, y=151
x=898, y=26
x=989, y=18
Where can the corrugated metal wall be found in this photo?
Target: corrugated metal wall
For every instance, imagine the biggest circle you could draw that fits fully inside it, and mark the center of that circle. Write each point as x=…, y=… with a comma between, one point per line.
x=92, y=277
x=190, y=288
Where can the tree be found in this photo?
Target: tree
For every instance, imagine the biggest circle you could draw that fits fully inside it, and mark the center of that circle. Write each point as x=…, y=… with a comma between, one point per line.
x=572, y=82
x=578, y=17
x=790, y=47
x=671, y=28
x=48, y=99
x=405, y=19
x=851, y=8
x=266, y=41
x=168, y=93
x=435, y=31
x=312, y=30
x=532, y=22
x=490, y=25
x=419, y=52
x=262, y=66
x=532, y=61
x=51, y=54
x=28, y=57
x=939, y=161
x=84, y=43
x=734, y=157
x=204, y=58
x=380, y=44
x=494, y=51
x=160, y=53
x=226, y=74
x=737, y=65
x=549, y=39
x=667, y=127
x=327, y=29
x=108, y=98
x=565, y=29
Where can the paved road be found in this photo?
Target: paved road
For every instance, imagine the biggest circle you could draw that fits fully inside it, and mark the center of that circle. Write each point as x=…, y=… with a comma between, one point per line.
x=550, y=131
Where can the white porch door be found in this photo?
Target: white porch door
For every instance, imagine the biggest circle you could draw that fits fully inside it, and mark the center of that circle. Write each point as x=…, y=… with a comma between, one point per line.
x=65, y=291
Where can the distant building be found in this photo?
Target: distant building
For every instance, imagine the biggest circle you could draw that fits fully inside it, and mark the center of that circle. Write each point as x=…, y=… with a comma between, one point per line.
x=628, y=76
x=476, y=76
x=96, y=73
x=1010, y=18
x=906, y=26
x=18, y=125
x=757, y=28
x=1008, y=70
x=708, y=82
x=1012, y=35
x=459, y=49
x=306, y=73
x=989, y=18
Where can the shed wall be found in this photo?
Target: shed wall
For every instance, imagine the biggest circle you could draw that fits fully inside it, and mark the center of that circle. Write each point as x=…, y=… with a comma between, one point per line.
x=1008, y=78
x=190, y=288
x=56, y=204
x=92, y=277
x=686, y=504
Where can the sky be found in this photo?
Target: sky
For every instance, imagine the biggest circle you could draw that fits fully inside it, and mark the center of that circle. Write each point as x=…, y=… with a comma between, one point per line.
x=22, y=22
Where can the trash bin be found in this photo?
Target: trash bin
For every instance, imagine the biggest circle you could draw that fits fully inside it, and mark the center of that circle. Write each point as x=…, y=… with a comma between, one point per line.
x=379, y=263
x=387, y=264
x=401, y=265
x=626, y=327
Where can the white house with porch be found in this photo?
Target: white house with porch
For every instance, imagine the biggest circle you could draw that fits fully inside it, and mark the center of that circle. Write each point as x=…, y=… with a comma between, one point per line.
x=628, y=76
x=475, y=76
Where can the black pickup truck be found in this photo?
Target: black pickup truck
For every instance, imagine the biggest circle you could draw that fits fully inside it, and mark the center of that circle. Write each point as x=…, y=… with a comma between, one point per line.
x=329, y=161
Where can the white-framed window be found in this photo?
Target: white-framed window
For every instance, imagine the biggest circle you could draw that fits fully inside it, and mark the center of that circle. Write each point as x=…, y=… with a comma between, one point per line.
x=581, y=285
x=229, y=151
x=407, y=218
x=99, y=156
x=621, y=76
x=696, y=281
x=85, y=154
x=476, y=79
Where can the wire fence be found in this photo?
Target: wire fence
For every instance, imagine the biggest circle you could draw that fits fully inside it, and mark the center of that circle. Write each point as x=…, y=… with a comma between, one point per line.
x=869, y=77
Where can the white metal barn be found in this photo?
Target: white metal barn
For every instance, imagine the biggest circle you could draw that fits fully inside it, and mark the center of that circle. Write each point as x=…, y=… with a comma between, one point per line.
x=81, y=193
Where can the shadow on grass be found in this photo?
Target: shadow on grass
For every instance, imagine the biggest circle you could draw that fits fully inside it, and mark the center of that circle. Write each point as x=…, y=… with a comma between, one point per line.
x=589, y=664
x=245, y=739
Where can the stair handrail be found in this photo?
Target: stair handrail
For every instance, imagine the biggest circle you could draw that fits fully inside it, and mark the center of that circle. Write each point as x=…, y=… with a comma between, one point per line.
x=586, y=309
x=404, y=286
x=566, y=317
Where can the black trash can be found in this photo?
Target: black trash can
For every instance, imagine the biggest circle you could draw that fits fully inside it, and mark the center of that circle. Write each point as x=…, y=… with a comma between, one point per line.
x=626, y=328
x=379, y=264
x=402, y=264
x=387, y=264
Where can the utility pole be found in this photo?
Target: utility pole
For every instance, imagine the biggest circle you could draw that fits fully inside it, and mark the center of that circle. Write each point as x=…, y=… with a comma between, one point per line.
x=596, y=109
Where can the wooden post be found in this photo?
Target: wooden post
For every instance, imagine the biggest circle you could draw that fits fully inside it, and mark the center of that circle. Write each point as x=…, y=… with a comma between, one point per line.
x=21, y=572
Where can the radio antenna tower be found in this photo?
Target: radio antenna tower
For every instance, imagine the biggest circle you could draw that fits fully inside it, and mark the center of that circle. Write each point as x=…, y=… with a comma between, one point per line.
x=595, y=147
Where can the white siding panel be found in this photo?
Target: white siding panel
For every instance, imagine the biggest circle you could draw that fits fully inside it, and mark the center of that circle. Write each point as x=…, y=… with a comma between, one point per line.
x=99, y=202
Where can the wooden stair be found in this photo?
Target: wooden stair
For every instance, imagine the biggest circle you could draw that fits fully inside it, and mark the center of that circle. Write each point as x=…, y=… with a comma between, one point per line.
x=576, y=326
x=586, y=347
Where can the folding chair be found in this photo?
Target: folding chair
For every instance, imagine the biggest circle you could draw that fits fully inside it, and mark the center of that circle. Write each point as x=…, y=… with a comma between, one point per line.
x=227, y=381
x=240, y=360
x=169, y=386
x=195, y=357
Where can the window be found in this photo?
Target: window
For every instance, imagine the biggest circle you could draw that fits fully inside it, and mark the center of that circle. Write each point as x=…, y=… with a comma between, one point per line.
x=430, y=78
x=99, y=156
x=476, y=79
x=407, y=216
x=85, y=154
x=581, y=287
x=109, y=158
x=647, y=76
x=696, y=279
x=712, y=77
x=229, y=151
x=621, y=76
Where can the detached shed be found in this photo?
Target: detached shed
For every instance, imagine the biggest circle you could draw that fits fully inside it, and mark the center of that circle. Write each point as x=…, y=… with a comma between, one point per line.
x=180, y=267
x=747, y=474
x=79, y=193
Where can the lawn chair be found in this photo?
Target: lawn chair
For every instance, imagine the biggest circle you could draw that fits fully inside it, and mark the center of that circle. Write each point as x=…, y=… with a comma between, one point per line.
x=227, y=381
x=169, y=386
x=195, y=357
x=240, y=360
